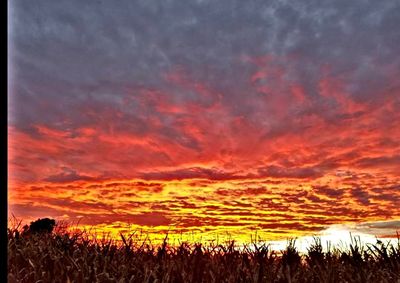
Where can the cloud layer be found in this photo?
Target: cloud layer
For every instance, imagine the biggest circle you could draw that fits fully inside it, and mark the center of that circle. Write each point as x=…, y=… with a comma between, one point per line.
x=206, y=98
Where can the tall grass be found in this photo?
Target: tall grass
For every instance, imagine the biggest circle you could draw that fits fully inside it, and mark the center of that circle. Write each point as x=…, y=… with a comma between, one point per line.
x=62, y=256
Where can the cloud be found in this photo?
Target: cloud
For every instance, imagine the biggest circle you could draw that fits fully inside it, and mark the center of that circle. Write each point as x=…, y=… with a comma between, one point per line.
x=242, y=192
x=218, y=174
x=68, y=175
x=382, y=161
x=237, y=204
x=281, y=172
x=260, y=105
x=149, y=219
x=379, y=229
x=329, y=192
x=190, y=173
x=361, y=195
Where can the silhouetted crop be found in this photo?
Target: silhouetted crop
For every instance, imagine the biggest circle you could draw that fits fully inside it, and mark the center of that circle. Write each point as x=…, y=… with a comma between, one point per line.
x=75, y=257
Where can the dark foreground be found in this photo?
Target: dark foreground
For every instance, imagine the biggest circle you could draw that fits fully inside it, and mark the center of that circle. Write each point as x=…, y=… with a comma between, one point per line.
x=63, y=257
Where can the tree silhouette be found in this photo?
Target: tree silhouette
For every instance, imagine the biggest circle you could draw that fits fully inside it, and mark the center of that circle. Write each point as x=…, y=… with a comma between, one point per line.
x=45, y=225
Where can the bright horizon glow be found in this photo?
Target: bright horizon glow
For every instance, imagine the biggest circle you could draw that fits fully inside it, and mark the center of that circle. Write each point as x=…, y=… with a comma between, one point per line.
x=336, y=236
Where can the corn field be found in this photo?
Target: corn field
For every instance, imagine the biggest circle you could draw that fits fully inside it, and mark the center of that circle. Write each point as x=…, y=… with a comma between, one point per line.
x=63, y=256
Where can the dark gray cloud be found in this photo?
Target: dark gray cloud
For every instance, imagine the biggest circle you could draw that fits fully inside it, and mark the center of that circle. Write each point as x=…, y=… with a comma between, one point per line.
x=361, y=195
x=379, y=161
x=68, y=52
x=329, y=192
x=219, y=174
x=68, y=175
x=387, y=228
x=191, y=173
x=298, y=173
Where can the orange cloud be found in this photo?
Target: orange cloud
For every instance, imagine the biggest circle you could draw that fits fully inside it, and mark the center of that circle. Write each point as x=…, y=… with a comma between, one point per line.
x=188, y=156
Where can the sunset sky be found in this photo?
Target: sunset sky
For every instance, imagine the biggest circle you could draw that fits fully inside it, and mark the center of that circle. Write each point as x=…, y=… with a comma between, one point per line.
x=208, y=117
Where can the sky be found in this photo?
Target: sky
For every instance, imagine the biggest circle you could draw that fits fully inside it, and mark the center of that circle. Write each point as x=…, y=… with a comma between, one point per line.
x=279, y=118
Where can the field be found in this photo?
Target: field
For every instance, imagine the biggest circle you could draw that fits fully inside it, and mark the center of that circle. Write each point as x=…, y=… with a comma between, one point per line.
x=62, y=256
